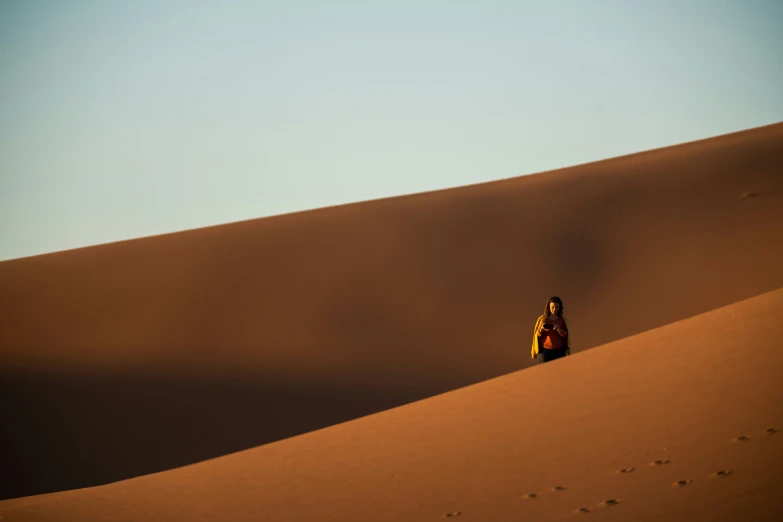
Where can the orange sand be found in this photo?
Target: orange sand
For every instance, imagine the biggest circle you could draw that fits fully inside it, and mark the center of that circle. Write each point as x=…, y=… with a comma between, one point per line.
x=141, y=356
x=478, y=451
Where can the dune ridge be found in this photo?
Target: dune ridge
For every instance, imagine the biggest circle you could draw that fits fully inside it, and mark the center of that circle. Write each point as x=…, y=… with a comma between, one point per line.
x=184, y=347
x=677, y=423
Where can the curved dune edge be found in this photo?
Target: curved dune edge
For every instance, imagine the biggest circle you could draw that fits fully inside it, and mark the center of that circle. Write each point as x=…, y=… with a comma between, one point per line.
x=188, y=346
x=677, y=423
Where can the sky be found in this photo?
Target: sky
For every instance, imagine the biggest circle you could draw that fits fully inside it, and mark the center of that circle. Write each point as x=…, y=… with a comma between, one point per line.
x=125, y=119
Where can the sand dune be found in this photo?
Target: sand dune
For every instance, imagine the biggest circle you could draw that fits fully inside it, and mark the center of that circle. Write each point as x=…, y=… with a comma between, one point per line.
x=678, y=424
x=134, y=357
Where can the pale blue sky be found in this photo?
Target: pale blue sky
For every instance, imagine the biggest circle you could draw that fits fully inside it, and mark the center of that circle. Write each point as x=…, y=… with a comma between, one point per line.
x=136, y=118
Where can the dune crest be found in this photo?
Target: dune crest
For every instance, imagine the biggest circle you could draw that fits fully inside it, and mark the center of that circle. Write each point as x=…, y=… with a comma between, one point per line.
x=188, y=346
x=538, y=444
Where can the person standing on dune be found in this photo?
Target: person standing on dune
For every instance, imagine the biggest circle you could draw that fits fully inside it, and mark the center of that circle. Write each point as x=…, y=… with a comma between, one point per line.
x=551, y=339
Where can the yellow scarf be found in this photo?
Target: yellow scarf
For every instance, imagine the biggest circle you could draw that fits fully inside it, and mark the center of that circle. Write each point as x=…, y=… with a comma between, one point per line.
x=536, y=338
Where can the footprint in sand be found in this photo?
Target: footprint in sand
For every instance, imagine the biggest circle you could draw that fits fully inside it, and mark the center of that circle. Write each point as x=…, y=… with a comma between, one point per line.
x=741, y=438
x=626, y=470
x=657, y=463
x=610, y=502
x=770, y=431
x=531, y=496
x=453, y=514
x=722, y=473
x=605, y=504
x=558, y=488
x=681, y=483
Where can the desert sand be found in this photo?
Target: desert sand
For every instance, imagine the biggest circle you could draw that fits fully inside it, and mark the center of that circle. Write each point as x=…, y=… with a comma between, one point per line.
x=678, y=423
x=137, y=357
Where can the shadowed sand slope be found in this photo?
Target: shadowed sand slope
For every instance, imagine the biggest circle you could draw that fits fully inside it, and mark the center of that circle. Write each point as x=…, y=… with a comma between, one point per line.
x=134, y=357
x=679, y=423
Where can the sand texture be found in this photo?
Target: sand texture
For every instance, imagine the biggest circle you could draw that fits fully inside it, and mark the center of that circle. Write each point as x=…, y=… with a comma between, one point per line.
x=372, y=361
